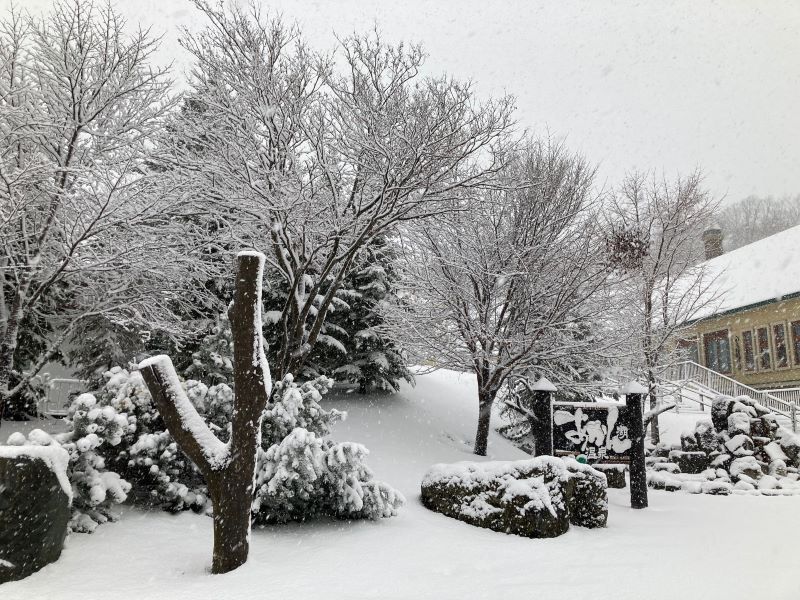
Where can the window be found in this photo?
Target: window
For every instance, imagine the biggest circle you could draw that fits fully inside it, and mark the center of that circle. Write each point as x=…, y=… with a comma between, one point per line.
x=796, y=341
x=718, y=351
x=764, y=355
x=781, y=351
x=737, y=353
x=749, y=348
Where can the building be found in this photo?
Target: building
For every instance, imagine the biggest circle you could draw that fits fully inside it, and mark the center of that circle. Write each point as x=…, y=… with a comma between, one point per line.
x=751, y=332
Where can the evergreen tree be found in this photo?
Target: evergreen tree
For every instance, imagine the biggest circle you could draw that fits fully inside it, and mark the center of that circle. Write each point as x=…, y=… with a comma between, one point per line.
x=354, y=347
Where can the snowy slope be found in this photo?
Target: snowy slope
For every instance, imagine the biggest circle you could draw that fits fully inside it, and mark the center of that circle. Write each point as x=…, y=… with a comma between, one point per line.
x=681, y=547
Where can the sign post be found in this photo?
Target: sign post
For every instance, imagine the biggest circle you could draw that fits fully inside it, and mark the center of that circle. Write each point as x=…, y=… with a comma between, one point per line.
x=542, y=396
x=634, y=394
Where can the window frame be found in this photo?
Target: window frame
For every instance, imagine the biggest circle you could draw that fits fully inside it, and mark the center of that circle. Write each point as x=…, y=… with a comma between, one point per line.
x=717, y=334
x=795, y=344
x=753, y=349
x=770, y=350
x=787, y=349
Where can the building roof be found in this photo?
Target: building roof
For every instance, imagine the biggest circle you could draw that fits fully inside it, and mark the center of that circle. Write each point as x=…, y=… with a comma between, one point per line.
x=765, y=271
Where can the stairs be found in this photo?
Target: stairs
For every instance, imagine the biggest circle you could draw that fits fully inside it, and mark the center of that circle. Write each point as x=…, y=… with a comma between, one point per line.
x=689, y=381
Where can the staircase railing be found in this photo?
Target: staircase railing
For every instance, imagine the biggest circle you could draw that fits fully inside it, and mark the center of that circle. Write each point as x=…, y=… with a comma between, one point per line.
x=688, y=371
x=786, y=394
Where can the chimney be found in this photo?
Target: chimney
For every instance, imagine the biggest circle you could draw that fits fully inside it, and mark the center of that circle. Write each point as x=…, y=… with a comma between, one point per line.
x=712, y=240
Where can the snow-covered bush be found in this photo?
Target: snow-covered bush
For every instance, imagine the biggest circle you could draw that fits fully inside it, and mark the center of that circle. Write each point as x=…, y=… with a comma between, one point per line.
x=538, y=497
x=95, y=488
x=298, y=406
x=300, y=473
x=93, y=430
x=148, y=456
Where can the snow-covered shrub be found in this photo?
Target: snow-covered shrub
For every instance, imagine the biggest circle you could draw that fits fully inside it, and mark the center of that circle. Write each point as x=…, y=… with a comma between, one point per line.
x=302, y=475
x=148, y=456
x=93, y=429
x=296, y=406
x=95, y=488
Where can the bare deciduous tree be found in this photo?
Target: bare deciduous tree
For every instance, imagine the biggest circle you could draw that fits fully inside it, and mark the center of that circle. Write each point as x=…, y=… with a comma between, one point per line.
x=754, y=218
x=312, y=161
x=655, y=240
x=503, y=282
x=81, y=219
x=229, y=469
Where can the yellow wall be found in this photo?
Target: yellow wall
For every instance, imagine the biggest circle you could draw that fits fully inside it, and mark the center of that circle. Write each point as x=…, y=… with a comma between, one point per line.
x=784, y=311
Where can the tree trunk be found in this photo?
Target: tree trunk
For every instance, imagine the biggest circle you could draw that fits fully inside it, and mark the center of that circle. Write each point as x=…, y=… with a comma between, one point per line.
x=8, y=345
x=485, y=401
x=229, y=469
x=637, y=467
x=655, y=433
x=232, y=507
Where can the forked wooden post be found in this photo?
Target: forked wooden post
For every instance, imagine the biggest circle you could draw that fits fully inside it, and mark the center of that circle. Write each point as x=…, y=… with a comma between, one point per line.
x=228, y=468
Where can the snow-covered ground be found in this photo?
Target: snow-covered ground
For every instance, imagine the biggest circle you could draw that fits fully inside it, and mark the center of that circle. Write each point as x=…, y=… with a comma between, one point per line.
x=682, y=547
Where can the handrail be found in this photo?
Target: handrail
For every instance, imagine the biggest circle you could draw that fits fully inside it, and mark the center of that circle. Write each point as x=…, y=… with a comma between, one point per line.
x=691, y=371
x=786, y=394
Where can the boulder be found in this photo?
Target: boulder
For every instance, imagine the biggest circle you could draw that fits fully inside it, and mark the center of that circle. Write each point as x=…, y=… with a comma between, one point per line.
x=761, y=410
x=767, y=482
x=743, y=404
x=740, y=445
x=716, y=488
x=738, y=422
x=745, y=465
x=690, y=462
x=761, y=427
x=774, y=451
x=651, y=460
x=706, y=436
x=615, y=474
x=772, y=420
x=790, y=444
x=777, y=468
x=536, y=498
x=663, y=481
x=720, y=409
x=35, y=498
x=721, y=461
x=688, y=441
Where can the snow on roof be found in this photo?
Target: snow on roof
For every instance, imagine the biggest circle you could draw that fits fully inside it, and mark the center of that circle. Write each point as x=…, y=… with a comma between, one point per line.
x=764, y=271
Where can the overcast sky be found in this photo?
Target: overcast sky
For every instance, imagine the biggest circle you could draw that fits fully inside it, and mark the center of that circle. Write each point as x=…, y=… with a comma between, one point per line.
x=649, y=85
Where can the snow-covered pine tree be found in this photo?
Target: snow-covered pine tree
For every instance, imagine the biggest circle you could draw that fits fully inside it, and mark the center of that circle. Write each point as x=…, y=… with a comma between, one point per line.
x=354, y=347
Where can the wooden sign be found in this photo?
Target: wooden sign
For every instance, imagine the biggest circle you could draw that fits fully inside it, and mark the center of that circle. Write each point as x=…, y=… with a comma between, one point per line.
x=597, y=430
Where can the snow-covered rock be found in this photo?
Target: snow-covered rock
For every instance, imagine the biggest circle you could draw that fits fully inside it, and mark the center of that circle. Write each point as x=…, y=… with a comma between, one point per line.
x=536, y=498
x=35, y=497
